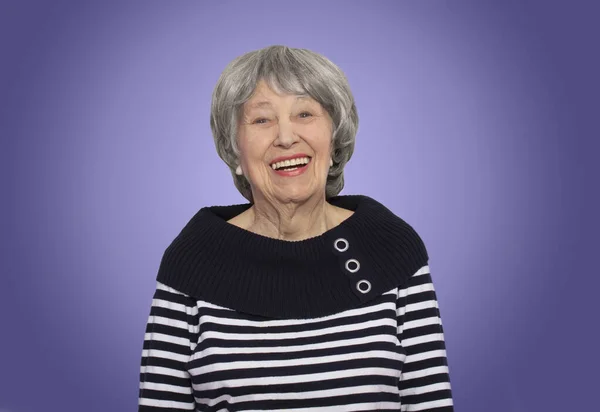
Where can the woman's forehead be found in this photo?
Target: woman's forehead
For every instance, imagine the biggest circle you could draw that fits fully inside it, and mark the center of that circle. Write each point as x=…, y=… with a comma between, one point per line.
x=264, y=92
x=265, y=102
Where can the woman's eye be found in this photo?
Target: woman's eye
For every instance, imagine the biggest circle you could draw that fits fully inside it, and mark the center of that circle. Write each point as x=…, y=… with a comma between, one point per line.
x=261, y=120
x=304, y=115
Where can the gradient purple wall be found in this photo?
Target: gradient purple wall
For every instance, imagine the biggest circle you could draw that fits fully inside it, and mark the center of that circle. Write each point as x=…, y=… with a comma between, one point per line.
x=476, y=126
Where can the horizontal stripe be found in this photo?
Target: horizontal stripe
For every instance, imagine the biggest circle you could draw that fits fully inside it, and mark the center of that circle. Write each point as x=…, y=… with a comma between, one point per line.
x=425, y=389
x=161, y=337
x=430, y=406
x=422, y=339
x=426, y=355
x=167, y=404
x=302, y=395
x=427, y=304
x=215, y=350
x=268, y=380
x=299, y=356
x=373, y=398
x=150, y=344
x=227, y=316
x=174, y=323
x=386, y=309
x=307, y=333
x=343, y=408
x=159, y=370
x=163, y=387
x=425, y=372
x=292, y=362
x=415, y=290
x=177, y=307
x=416, y=323
x=342, y=382
x=146, y=353
x=300, y=370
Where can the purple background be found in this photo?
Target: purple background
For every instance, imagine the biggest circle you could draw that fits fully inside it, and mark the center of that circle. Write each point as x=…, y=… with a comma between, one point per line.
x=476, y=126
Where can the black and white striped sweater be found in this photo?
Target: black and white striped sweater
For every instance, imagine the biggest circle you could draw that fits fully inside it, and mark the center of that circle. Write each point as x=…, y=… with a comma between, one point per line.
x=346, y=321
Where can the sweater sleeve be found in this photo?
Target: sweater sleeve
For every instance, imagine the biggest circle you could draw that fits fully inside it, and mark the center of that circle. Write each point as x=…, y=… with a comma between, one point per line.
x=171, y=336
x=425, y=381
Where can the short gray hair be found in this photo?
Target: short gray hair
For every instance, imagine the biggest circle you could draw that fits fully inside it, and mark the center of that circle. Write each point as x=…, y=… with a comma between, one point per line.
x=294, y=71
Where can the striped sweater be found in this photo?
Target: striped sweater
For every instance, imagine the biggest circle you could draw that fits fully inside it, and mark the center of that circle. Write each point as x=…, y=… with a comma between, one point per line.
x=374, y=343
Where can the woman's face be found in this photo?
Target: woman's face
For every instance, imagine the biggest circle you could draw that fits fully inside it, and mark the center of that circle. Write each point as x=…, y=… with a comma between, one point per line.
x=285, y=146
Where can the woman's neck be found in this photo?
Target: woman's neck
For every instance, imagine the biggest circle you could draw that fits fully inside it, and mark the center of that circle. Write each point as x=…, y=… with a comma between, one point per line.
x=291, y=221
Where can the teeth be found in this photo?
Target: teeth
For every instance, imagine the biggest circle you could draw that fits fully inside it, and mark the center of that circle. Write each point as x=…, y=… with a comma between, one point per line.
x=292, y=162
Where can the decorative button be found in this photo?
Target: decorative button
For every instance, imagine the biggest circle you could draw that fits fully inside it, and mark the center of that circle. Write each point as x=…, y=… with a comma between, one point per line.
x=363, y=286
x=341, y=244
x=352, y=265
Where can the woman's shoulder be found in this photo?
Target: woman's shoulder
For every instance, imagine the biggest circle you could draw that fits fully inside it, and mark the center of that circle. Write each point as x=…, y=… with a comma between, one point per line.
x=373, y=213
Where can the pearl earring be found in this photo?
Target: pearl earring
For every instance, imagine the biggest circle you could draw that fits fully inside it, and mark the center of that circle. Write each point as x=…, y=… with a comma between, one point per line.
x=330, y=162
x=238, y=170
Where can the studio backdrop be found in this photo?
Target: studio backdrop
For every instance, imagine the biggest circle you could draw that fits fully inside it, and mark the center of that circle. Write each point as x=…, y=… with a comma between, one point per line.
x=476, y=127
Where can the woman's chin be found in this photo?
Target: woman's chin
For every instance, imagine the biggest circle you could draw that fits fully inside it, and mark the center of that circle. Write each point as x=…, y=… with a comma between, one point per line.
x=297, y=194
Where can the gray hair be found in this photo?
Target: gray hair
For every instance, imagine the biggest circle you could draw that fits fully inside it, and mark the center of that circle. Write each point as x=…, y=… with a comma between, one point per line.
x=294, y=71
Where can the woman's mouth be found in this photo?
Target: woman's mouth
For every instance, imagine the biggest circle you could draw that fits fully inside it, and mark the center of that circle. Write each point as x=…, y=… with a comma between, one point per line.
x=291, y=167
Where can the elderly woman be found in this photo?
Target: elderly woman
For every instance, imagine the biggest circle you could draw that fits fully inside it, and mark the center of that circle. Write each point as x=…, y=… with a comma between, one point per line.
x=300, y=299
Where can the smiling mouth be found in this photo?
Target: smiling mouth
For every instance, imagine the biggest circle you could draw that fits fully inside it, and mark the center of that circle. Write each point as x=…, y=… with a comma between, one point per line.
x=290, y=165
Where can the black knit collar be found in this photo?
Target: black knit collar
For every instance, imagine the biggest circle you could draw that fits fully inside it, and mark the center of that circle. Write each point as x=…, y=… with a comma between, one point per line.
x=215, y=261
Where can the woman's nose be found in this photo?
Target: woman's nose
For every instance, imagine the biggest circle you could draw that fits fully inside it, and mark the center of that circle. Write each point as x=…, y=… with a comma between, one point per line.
x=285, y=135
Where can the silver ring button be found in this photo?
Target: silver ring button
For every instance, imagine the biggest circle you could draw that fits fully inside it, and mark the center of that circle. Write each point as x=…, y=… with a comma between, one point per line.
x=352, y=265
x=363, y=286
x=341, y=244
